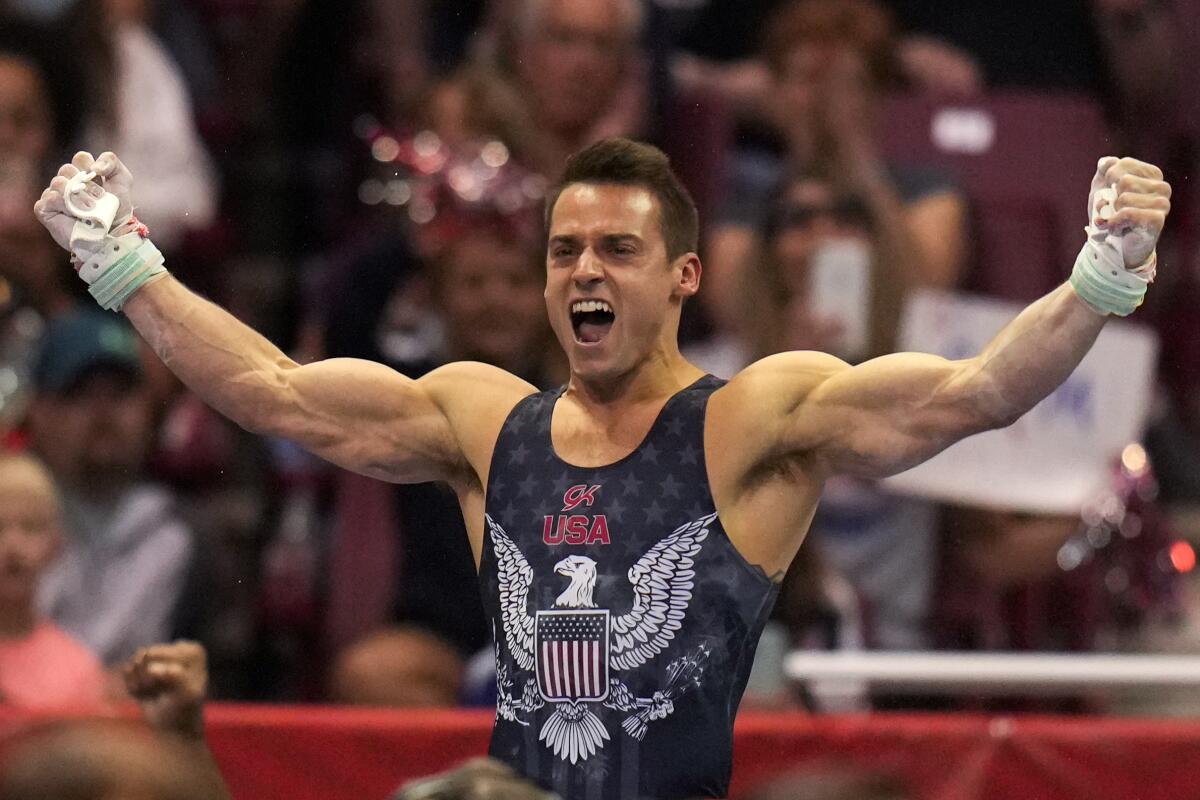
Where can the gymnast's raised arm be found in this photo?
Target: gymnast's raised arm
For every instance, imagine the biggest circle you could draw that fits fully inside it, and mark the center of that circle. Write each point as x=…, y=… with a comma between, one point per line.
x=358, y=414
x=891, y=413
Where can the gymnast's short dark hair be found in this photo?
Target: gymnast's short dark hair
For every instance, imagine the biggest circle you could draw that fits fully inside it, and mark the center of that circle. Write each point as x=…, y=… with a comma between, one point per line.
x=624, y=162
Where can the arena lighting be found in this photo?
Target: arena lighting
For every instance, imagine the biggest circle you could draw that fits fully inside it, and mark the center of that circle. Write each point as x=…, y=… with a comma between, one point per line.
x=1183, y=556
x=992, y=673
x=1134, y=459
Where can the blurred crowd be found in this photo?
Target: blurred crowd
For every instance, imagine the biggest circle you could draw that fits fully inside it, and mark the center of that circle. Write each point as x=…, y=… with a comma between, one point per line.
x=365, y=178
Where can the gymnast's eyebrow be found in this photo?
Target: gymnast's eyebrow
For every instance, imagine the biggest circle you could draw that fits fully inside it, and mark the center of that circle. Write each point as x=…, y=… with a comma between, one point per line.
x=611, y=239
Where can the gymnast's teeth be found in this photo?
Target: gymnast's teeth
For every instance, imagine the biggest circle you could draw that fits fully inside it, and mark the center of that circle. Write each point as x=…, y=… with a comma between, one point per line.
x=584, y=306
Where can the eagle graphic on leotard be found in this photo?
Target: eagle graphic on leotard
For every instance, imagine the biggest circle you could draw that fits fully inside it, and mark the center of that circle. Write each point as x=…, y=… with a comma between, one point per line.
x=574, y=646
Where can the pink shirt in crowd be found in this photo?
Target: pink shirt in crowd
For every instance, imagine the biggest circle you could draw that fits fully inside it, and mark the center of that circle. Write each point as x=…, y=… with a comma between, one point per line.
x=49, y=669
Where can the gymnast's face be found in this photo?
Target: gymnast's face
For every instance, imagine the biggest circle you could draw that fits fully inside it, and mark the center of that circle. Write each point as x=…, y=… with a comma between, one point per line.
x=612, y=293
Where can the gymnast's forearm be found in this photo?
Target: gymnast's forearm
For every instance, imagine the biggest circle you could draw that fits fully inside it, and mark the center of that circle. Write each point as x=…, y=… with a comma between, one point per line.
x=229, y=365
x=1032, y=355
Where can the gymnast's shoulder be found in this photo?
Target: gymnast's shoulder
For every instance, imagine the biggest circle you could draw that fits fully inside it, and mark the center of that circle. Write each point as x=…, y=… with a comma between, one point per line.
x=474, y=396
x=781, y=380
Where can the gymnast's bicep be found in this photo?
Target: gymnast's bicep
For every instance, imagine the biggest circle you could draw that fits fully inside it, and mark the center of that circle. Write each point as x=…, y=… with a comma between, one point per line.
x=869, y=420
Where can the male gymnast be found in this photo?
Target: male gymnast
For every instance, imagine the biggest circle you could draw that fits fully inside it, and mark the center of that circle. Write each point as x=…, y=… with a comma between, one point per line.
x=631, y=528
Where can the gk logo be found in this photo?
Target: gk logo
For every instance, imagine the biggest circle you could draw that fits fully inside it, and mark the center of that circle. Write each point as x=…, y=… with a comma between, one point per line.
x=576, y=528
x=577, y=495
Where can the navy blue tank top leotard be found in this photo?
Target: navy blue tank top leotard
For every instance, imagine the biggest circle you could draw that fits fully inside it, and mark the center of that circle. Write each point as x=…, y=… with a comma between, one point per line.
x=625, y=621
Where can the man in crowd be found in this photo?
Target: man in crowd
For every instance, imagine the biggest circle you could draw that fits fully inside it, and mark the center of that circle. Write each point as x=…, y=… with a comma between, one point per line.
x=126, y=553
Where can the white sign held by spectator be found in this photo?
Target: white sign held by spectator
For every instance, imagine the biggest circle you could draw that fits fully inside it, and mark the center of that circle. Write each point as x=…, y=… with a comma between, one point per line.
x=1061, y=453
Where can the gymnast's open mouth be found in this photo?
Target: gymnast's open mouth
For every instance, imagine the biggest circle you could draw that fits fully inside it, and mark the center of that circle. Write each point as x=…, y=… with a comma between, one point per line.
x=591, y=320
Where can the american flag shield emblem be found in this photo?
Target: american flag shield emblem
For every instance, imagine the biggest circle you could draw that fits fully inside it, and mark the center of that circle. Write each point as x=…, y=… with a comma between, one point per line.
x=572, y=655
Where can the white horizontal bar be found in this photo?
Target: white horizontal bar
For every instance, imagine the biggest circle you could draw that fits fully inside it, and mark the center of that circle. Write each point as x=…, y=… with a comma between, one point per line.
x=998, y=673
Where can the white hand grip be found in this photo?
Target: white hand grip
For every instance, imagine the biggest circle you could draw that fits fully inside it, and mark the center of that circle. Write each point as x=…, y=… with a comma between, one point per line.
x=93, y=222
x=1134, y=245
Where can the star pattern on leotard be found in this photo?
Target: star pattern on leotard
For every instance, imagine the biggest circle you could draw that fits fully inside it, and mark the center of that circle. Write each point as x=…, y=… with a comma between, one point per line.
x=660, y=488
x=563, y=482
x=651, y=488
x=654, y=513
x=670, y=486
x=616, y=511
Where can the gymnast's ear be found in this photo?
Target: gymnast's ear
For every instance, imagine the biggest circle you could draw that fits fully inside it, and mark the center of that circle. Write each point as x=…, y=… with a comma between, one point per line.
x=687, y=269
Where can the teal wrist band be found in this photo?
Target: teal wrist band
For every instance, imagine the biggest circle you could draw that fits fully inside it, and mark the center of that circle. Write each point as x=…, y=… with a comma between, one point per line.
x=1106, y=287
x=128, y=274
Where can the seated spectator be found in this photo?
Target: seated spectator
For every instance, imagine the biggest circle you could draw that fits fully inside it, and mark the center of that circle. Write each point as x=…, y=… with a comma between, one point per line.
x=479, y=299
x=41, y=665
x=170, y=684
x=556, y=75
x=128, y=94
x=32, y=135
x=830, y=62
x=102, y=761
x=715, y=44
x=139, y=106
x=883, y=544
x=125, y=553
x=815, y=232
x=1016, y=579
x=109, y=760
x=402, y=667
x=487, y=288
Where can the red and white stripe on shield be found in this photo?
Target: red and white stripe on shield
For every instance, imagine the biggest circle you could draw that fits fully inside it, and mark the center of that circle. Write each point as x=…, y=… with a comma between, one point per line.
x=572, y=654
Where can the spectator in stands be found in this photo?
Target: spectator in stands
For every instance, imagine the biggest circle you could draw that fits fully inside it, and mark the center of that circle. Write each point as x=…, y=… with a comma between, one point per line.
x=107, y=760
x=229, y=494
x=830, y=61
x=883, y=544
x=402, y=667
x=31, y=128
x=41, y=665
x=1127, y=54
x=556, y=75
x=815, y=230
x=101, y=761
x=477, y=779
x=170, y=684
x=35, y=281
x=40, y=111
x=126, y=553
x=715, y=42
x=480, y=299
x=1016, y=579
x=37, y=120
x=138, y=105
x=488, y=289
x=1107, y=47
